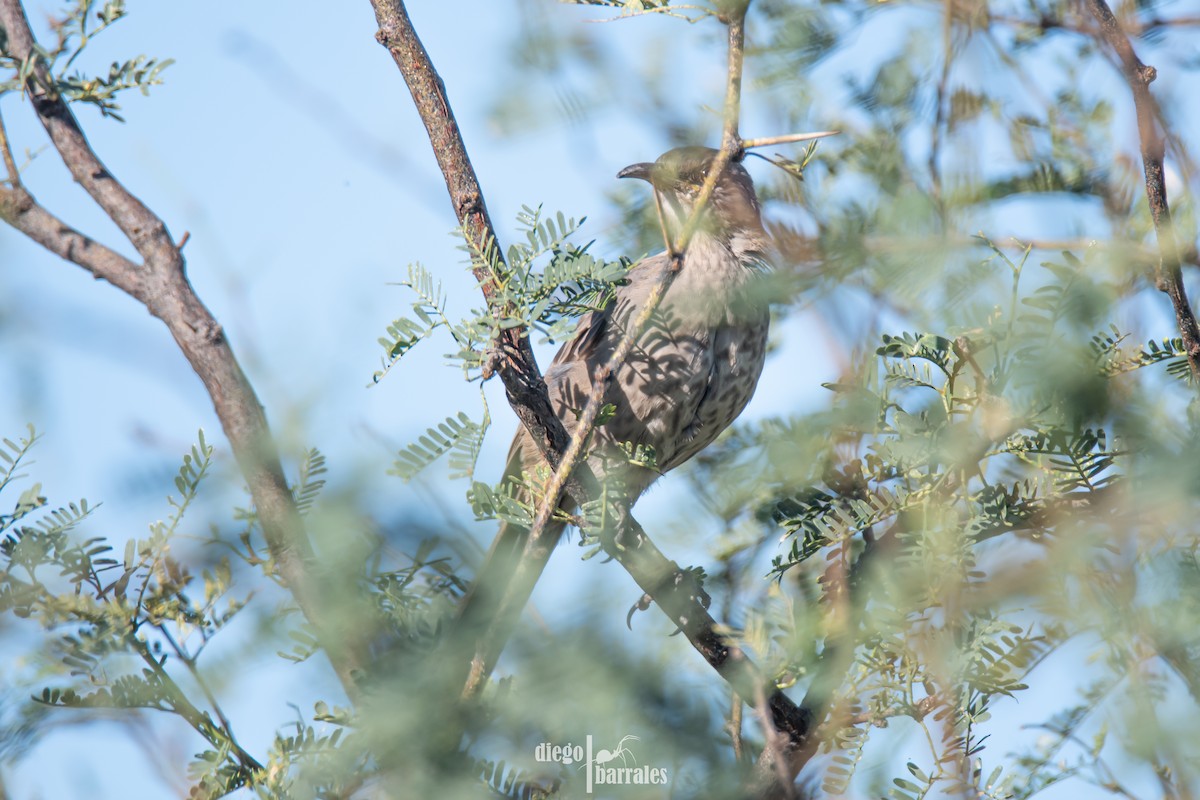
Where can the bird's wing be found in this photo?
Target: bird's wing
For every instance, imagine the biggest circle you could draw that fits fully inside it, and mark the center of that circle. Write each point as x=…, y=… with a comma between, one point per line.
x=569, y=376
x=600, y=331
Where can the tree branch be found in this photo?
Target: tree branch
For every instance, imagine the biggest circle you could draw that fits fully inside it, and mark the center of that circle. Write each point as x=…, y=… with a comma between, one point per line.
x=199, y=720
x=787, y=138
x=10, y=164
x=20, y=210
x=1139, y=76
x=160, y=284
x=1047, y=23
x=513, y=360
x=144, y=230
x=516, y=364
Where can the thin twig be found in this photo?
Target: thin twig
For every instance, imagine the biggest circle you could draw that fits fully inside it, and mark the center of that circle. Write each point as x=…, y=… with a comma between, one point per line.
x=1044, y=24
x=775, y=746
x=542, y=536
x=662, y=226
x=1170, y=275
x=939, y=115
x=199, y=721
x=730, y=147
x=587, y=420
x=537, y=545
x=190, y=663
x=10, y=165
x=789, y=138
x=735, y=724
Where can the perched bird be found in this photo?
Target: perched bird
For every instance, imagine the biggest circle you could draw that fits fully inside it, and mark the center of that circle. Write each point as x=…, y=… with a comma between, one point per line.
x=689, y=374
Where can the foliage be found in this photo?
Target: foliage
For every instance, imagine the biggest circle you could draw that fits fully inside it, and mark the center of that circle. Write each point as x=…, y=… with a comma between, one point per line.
x=75, y=30
x=948, y=443
x=550, y=299
x=571, y=283
x=457, y=434
x=122, y=618
x=129, y=633
x=690, y=12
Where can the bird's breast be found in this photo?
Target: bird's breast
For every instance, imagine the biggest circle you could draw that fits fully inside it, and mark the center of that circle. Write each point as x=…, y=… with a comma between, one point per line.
x=715, y=287
x=696, y=365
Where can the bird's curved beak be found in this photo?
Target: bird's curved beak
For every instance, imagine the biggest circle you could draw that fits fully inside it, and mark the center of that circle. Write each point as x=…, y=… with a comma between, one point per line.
x=642, y=171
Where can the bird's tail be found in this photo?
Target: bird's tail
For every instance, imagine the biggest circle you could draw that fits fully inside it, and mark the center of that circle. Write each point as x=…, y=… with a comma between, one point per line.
x=493, y=605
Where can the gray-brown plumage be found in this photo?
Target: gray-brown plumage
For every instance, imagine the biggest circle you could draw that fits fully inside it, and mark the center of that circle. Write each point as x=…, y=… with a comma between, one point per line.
x=690, y=373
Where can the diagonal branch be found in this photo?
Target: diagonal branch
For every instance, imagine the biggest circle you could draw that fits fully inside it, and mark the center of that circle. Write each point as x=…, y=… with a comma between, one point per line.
x=515, y=362
x=161, y=285
x=731, y=149
x=140, y=225
x=19, y=209
x=1139, y=76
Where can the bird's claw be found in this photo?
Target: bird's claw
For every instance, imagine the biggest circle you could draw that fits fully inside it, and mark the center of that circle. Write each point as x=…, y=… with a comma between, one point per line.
x=694, y=576
x=694, y=588
x=492, y=359
x=641, y=605
x=695, y=592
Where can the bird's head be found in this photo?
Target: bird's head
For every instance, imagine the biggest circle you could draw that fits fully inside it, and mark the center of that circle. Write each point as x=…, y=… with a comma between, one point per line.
x=677, y=176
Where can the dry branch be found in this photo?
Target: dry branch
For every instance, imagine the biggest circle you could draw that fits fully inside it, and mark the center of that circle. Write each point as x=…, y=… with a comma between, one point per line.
x=1139, y=76
x=515, y=363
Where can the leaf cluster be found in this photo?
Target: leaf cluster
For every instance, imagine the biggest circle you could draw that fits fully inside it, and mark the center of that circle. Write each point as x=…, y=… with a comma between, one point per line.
x=129, y=632
x=75, y=30
x=543, y=282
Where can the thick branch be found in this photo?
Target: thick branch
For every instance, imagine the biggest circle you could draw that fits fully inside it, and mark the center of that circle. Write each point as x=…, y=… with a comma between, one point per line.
x=19, y=209
x=1139, y=76
x=673, y=591
x=162, y=286
x=516, y=364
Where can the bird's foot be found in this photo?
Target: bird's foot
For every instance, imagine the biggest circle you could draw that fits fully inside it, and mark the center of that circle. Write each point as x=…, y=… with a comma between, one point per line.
x=690, y=580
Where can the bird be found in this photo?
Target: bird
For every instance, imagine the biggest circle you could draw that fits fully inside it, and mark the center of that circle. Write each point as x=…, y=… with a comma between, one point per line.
x=690, y=373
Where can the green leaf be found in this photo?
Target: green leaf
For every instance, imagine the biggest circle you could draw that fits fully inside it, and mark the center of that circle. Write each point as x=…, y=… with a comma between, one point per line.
x=458, y=434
